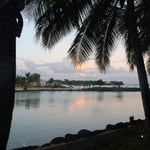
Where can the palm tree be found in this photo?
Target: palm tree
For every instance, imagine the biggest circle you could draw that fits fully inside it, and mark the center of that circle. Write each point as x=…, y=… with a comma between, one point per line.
x=98, y=23
x=10, y=27
x=28, y=78
x=139, y=62
x=50, y=81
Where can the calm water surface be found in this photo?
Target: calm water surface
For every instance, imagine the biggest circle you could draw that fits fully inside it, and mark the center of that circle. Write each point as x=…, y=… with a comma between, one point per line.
x=40, y=116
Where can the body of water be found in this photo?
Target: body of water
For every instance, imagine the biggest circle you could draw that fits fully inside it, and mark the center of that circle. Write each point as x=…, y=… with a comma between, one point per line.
x=40, y=116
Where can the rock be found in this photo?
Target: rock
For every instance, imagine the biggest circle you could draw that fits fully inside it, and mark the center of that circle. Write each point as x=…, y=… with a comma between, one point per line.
x=96, y=132
x=116, y=126
x=57, y=140
x=139, y=121
x=126, y=124
x=47, y=144
x=120, y=125
x=70, y=137
x=26, y=148
x=84, y=133
x=110, y=127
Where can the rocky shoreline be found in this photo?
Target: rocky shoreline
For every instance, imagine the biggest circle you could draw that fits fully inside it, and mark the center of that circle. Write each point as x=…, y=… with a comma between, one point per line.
x=83, y=134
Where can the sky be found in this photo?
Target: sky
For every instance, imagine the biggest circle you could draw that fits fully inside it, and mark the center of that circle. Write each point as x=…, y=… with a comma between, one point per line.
x=32, y=57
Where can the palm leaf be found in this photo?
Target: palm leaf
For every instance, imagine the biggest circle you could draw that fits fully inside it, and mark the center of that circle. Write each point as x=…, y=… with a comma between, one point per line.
x=55, y=18
x=85, y=40
x=83, y=44
x=143, y=37
x=124, y=32
x=50, y=28
x=108, y=32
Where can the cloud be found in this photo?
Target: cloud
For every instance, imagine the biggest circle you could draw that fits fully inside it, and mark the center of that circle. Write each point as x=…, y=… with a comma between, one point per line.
x=66, y=70
x=63, y=67
x=26, y=65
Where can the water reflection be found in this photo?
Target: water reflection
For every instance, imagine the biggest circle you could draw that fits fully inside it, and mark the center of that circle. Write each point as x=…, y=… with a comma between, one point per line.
x=100, y=96
x=80, y=102
x=28, y=104
x=73, y=100
x=27, y=100
x=67, y=101
x=58, y=113
x=119, y=95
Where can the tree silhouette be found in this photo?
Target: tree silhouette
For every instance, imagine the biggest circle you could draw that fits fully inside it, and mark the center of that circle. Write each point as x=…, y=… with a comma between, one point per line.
x=98, y=23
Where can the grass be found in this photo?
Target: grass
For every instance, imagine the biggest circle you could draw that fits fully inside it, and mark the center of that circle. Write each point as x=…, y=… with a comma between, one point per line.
x=137, y=140
x=134, y=143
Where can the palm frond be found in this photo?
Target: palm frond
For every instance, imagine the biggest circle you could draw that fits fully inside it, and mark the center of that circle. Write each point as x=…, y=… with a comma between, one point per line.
x=130, y=54
x=85, y=41
x=55, y=18
x=143, y=36
x=83, y=44
x=51, y=27
x=124, y=32
x=143, y=24
x=98, y=23
x=107, y=34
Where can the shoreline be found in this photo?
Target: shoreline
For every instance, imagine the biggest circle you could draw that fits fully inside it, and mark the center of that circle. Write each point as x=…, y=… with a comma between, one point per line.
x=86, y=138
x=100, y=89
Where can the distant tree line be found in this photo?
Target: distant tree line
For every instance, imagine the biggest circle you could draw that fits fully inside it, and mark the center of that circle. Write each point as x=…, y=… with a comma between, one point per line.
x=29, y=80
x=34, y=80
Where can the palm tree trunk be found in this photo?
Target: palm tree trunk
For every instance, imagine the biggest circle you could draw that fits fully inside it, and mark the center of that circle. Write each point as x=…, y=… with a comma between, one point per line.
x=139, y=60
x=7, y=69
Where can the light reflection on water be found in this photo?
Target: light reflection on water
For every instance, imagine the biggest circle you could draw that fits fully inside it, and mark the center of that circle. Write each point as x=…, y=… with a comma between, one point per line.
x=40, y=116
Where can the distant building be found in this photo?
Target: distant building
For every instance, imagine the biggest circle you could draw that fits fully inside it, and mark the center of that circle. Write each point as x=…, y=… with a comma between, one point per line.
x=56, y=84
x=42, y=83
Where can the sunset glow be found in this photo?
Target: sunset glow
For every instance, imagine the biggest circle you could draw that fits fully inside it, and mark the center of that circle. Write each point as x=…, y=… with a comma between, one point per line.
x=79, y=103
